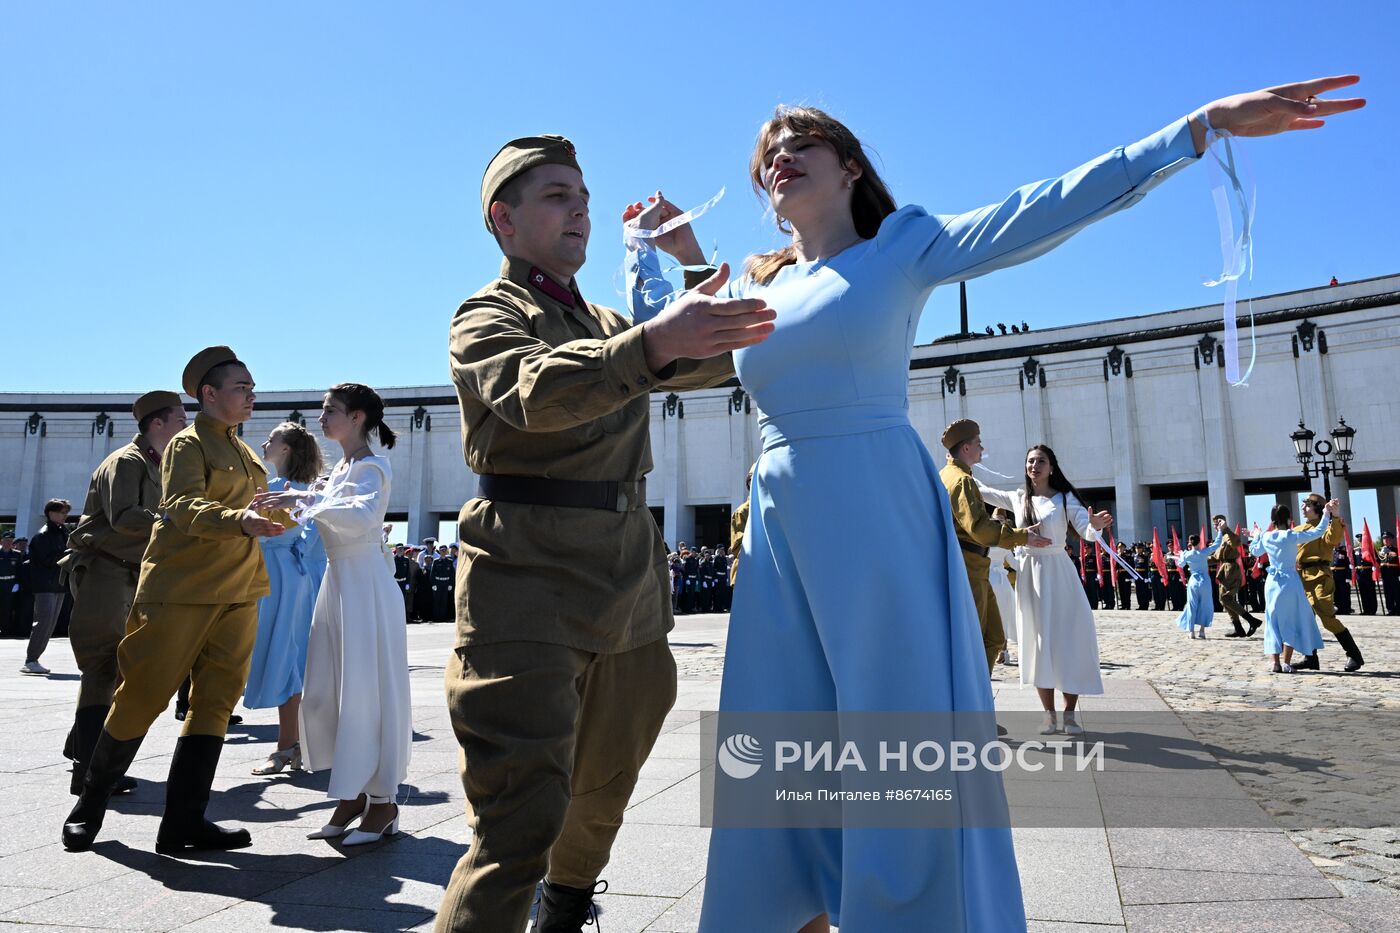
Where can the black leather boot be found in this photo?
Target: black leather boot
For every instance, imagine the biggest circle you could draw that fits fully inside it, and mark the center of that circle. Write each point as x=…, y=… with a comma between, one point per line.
x=566, y=910
x=110, y=759
x=184, y=826
x=1238, y=632
x=1309, y=663
x=82, y=739
x=1354, y=658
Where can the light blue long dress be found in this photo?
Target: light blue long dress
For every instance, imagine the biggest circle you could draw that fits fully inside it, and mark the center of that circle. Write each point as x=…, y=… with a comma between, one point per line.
x=1288, y=616
x=886, y=622
x=1200, y=600
x=296, y=562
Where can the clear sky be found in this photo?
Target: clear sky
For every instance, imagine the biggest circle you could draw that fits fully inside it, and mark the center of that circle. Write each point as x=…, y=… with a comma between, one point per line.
x=300, y=180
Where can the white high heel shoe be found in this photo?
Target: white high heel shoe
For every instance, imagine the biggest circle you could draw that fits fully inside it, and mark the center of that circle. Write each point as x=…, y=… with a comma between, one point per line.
x=332, y=831
x=1050, y=726
x=1072, y=726
x=360, y=837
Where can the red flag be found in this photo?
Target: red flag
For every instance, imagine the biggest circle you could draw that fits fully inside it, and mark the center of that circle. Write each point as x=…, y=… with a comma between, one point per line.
x=1083, y=559
x=1112, y=564
x=1098, y=561
x=1159, y=560
x=1176, y=549
x=1239, y=551
x=1368, y=551
x=1203, y=539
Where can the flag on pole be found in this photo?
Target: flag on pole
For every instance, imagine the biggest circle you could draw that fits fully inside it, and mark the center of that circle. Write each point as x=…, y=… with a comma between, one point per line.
x=1098, y=561
x=1083, y=559
x=1176, y=549
x=1158, y=559
x=1368, y=550
x=1112, y=564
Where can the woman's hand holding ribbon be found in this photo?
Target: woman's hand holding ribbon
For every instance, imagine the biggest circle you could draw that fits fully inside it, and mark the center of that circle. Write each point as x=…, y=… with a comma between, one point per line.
x=680, y=242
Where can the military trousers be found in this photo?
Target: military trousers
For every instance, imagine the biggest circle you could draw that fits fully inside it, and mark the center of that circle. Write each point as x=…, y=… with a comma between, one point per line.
x=1320, y=588
x=552, y=741
x=988, y=615
x=1230, y=603
x=164, y=642
x=103, y=592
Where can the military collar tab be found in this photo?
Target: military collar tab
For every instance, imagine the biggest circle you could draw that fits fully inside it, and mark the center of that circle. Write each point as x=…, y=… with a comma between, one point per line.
x=541, y=281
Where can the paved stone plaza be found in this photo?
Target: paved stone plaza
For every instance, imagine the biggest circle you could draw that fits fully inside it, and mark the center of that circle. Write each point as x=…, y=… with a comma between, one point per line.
x=1288, y=872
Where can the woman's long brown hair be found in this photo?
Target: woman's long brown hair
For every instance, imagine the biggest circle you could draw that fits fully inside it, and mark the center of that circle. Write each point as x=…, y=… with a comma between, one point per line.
x=871, y=201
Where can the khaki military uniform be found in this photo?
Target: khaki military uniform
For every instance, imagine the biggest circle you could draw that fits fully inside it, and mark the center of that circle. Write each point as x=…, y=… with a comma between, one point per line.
x=1315, y=569
x=1231, y=579
x=738, y=524
x=104, y=560
x=196, y=609
x=561, y=675
x=978, y=531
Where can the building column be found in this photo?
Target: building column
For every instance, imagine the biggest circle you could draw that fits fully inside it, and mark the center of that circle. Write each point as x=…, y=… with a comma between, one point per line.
x=1225, y=492
x=29, y=503
x=1132, y=499
x=420, y=424
x=673, y=528
x=741, y=453
x=1388, y=501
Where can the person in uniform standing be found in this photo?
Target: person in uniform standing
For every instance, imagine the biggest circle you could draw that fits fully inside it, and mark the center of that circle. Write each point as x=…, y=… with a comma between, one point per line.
x=1365, y=580
x=1125, y=579
x=723, y=591
x=45, y=580
x=562, y=674
x=196, y=610
x=690, y=581
x=444, y=578
x=104, y=560
x=403, y=578
x=10, y=559
x=1318, y=581
x=977, y=531
x=1230, y=578
x=738, y=523
x=1142, y=563
x=1390, y=573
x=1341, y=578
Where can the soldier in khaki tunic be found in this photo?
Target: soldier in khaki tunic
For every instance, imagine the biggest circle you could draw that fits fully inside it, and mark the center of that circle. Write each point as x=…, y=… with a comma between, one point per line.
x=561, y=675
x=103, y=561
x=977, y=530
x=1230, y=576
x=196, y=612
x=1314, y=567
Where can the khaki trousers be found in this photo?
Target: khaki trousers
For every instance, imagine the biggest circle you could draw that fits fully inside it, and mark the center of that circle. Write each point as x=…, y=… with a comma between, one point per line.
x=1321, y=589
x=988, y=614
x=102, y=596
x=1230, y=602
x=552, y=740
x=166, y=641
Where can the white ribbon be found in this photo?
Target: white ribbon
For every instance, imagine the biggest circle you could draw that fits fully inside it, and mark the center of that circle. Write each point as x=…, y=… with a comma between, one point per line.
x=632, y=233
x=1121, y=562
x=987, y=469
x=1236, y=250
x=324, y=501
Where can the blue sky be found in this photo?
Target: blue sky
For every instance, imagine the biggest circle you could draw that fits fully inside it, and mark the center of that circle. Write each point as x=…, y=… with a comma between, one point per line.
x=300, y=180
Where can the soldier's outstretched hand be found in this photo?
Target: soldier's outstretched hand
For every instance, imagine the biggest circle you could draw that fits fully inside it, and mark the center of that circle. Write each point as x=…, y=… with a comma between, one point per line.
x=255, y=526
x=699, y=325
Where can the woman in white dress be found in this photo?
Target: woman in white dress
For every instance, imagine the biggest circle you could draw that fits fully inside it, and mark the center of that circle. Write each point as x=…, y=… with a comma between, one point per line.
x=355, y=709
x=1055, y=624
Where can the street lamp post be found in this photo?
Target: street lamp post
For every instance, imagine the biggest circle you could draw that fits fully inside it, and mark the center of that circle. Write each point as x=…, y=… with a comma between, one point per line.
x=1317, y=459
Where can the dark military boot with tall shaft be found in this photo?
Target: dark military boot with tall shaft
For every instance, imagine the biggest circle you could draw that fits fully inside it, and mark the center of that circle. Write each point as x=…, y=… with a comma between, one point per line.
x=184, y=825
x=110, y=759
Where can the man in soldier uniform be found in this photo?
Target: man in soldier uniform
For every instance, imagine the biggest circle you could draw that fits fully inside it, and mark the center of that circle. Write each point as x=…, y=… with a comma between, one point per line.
x=723, y=591
x=1229, y=577
x=690, y=580
x=738, y=524
x=1390, y=573
x=1341, y=578
x=1125, y=579
x=443, y=577
x=1365, y=580
x=196, y=610
x=104, y=560
x=10, y=559
x=1318, y=582
x=707, y=580
x=561, y=675
x=977, y=531
x=1142, y=563
x=404, y=579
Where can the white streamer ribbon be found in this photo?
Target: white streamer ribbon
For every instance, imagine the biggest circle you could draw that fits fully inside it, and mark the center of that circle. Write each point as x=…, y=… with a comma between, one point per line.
x=1236, y=250
x=324, y=501
x=632, y=233
x=1132, y=572
x=987, y=469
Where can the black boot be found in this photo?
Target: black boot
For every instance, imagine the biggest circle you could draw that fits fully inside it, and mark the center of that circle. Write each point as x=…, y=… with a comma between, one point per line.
x=1354, y=658
x=1309, y=663
x=187, y=795
x=82, y=739
x=110, y=759
x=1238, y=632
x=565, y=910
x=182, y=700
x=1253, y=627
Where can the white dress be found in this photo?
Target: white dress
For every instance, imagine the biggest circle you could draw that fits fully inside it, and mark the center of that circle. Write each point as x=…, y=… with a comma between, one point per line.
x=356, y=712
x=1002, y=589
x=1055, y=625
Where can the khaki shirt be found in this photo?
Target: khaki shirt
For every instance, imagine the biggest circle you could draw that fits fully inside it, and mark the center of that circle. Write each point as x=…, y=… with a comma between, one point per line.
x=1320, y=548
x=198, y=551
x=123, y=501
x=548, y=390
x=738, y=527
x=970, y=516
x=1228, y=555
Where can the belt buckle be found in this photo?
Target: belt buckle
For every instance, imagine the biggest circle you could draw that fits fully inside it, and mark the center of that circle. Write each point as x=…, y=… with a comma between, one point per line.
x=622, y=504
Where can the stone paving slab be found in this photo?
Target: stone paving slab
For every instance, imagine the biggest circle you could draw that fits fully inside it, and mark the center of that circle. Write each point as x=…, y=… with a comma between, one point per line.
x=1124, y=878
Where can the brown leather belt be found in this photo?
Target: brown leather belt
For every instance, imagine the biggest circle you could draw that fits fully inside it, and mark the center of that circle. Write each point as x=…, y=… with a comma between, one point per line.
x=1312, y=564
x=564, y=493
x=971, y=548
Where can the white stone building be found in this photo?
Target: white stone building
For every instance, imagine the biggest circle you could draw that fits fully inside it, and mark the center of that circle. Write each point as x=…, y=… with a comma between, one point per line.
x=1138, y=410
